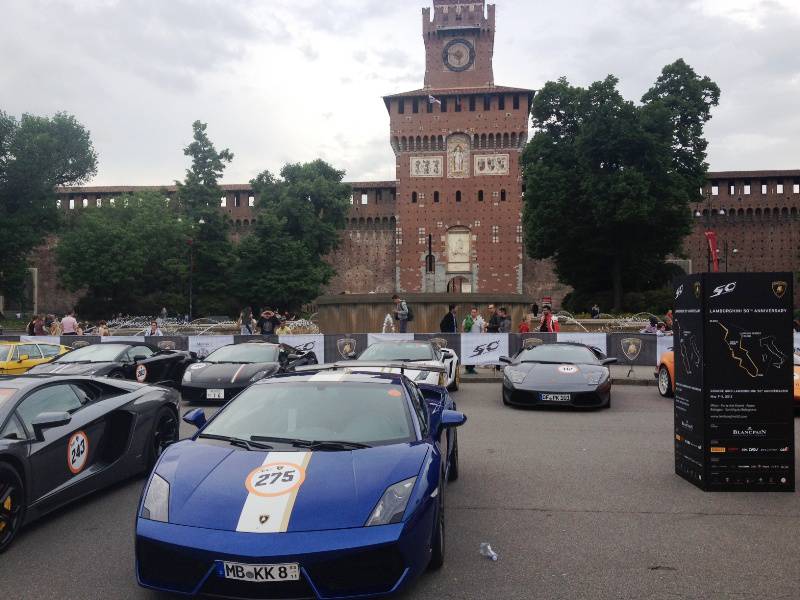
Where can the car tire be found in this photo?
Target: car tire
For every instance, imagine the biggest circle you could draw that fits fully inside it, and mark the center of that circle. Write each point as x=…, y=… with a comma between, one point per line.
x=12, y=505
x=456, y=380
x=165, y=431
x=664, y=382
x=438, y=544
x=452, y=474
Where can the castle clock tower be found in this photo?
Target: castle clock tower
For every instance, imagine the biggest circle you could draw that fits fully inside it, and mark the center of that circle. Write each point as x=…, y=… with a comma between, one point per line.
x=458, y=141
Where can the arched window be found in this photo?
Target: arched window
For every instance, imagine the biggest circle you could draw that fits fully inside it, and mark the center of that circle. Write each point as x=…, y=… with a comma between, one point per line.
x=480, y=195
x=435, y=196
x=458, y=196
x=502, y=195
x=413, y=197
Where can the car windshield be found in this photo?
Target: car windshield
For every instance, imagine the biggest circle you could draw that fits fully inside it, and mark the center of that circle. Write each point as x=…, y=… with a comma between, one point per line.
x=360, y=413
x=398, y=351
x=558, y=353
x=94, y=353
x=244, y=353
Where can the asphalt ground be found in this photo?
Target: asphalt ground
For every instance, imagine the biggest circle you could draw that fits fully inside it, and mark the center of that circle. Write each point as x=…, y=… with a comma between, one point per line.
x=576, y=504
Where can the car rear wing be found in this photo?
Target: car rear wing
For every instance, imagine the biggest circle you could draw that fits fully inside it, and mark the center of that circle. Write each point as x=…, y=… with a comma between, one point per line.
x=355, y=366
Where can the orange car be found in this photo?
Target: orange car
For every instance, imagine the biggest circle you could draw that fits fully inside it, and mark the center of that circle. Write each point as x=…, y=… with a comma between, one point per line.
x=665, y=374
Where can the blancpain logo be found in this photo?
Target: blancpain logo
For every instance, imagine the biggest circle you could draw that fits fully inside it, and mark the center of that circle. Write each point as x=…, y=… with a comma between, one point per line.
x=679, y=292
x=750, y=432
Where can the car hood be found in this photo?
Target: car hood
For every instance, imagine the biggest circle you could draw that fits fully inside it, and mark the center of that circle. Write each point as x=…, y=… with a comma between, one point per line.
x=559, y=377
x=413, y=366
x=68, y=368
x=229, y=373
x=211, y=486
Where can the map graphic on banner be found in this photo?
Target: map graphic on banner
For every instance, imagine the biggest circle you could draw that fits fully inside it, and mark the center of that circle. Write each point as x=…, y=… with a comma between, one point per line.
x=306, y=343
x=204, y=345
x=483, y=348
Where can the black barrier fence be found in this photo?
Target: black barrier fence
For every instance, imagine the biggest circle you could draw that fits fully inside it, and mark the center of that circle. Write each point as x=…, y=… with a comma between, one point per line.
x=633, y=349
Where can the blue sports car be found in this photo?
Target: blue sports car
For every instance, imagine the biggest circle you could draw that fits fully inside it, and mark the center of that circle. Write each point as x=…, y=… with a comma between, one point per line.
x=327, y=483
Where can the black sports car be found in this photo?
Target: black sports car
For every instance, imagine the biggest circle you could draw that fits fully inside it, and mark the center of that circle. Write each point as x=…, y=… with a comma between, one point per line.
x=123, y=360
x=230, y=369
x=64, y=437
x=562, y=374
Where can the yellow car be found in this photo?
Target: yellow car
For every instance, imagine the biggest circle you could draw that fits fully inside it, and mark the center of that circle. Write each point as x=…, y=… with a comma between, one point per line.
x=18, y=357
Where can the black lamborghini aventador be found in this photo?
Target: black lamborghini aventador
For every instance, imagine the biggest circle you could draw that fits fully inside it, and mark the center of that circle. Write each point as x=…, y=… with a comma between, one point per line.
x=64, y=437
x=562, y=374
x=123, y=360
x=228, y=370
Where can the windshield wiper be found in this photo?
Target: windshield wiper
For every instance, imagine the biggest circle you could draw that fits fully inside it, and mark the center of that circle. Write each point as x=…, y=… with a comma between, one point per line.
x=312, y=444
x=248, y=445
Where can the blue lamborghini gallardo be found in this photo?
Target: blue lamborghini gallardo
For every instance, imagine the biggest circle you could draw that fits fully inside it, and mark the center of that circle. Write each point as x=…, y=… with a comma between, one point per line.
x=327, y=483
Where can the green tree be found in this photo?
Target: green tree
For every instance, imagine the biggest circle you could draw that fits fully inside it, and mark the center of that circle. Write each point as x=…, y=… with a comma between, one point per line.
x=199, y=200
x=131, y=256
x=608, y=183
x=37, y=154
x=273, y=269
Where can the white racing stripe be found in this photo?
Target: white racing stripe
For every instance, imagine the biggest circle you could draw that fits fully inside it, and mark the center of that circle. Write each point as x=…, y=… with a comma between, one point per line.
x=273, y=489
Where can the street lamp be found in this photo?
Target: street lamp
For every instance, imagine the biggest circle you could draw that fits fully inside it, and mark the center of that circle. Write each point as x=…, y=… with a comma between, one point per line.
x=733, y=250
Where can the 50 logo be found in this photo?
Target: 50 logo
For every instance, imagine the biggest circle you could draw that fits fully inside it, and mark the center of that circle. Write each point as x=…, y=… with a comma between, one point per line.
x=723, y=289
x=485, y=348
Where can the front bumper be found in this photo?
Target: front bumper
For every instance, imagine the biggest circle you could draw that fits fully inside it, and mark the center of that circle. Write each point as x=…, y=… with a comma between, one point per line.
x=592, y=398
x=347, y=563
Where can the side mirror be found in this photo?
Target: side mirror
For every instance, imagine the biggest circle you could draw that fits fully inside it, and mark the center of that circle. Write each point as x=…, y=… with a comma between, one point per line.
x=452, y=418
x=49, y=420
x=23, y=358
x=196, y=417
x=609, y=361
x=139, y=358
x=505, y=360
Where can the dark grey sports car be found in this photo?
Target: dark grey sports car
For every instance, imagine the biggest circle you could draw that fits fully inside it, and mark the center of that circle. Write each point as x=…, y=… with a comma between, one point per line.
x=123, y=360
x=62, y=438
x=562, y=374
x=230, y=369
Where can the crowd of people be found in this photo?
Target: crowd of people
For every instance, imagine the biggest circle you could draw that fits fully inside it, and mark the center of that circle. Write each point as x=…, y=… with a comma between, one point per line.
x=269, y=322
x=499, y=321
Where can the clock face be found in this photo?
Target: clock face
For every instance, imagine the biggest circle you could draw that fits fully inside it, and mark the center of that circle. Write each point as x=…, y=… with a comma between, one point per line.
x=459, y=55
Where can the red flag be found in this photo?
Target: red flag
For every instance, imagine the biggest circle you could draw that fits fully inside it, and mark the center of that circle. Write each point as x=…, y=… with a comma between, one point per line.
x=711, y=236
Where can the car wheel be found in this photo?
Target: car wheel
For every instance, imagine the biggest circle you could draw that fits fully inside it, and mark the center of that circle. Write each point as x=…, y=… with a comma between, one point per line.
x=12, y=505
x=165, y=432
x=437, y=550
x=456, y=380
x=452, y=474
x=664, y=382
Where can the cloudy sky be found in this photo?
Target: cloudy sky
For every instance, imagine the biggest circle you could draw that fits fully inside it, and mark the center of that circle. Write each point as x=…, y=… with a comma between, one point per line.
x=293, y=80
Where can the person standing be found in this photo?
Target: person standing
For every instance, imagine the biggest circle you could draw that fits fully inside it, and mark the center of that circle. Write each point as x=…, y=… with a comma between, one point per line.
x=69, y=325
x=154, y=330
x=527, y=324
x=246, y=321
x=547, y=323
x=473, y=323
x=38, y=326
x=449, y=323
x=494, y=320
x=595, y=312
x=267, y=322
x=505, y=321
x=535, y=310
x=283, y=329
x=102, y=329
x=401, y=312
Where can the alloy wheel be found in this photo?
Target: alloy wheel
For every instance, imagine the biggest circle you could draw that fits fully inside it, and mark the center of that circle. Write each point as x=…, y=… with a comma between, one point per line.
x=10, y=510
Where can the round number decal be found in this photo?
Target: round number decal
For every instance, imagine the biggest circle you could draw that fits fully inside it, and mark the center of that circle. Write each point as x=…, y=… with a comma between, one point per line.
x=141, y=373
x=77, y=452
x=275, y=479
x=568, y=369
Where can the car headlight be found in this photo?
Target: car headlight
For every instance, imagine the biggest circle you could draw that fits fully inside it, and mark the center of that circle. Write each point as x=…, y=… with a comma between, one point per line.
x=597, y=378
x=257, y=376
x=515, y=375
x=393, y=504
x=187, y=376
x=156, y=502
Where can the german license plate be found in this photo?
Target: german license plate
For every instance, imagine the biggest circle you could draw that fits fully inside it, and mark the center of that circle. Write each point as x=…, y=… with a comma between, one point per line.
x=556, y=397
x=215, y=394
x=259, y=573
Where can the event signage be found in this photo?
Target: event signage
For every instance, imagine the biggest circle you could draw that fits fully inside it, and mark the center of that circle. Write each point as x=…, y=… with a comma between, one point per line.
x=734, y=421
x=483, y=348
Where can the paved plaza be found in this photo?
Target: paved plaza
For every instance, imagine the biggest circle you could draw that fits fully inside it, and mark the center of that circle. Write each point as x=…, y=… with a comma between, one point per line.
x=576, y=504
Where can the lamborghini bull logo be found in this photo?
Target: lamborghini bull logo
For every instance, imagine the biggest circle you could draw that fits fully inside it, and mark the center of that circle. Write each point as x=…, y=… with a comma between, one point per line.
x=632, y=348
x=779, y=288
x=530, y=343
x=439, y=342
x=346, y=347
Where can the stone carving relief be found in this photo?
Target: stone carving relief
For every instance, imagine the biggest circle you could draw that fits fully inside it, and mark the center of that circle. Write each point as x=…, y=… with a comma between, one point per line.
x=427, y=166
x=458, y=153
x=491, y=164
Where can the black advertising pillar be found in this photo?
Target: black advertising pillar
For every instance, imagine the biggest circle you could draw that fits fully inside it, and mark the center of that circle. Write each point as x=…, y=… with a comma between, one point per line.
x=734, y=406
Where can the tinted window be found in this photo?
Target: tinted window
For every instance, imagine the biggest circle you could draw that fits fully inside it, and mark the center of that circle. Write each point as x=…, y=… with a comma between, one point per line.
x=54, y=398
x=244, y=353
x=95, y=353
x=29, y=350
x=421, y=408
x=48, y=350
x=138, y=351
x=398, y=351
x=347, y=412
x=558, y=353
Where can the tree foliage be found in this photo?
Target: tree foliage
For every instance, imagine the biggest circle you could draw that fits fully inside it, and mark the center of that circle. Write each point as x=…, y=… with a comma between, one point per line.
x=608, y=183
x=130, y=257
x=199, y=199
x=37, y=154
